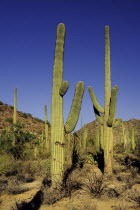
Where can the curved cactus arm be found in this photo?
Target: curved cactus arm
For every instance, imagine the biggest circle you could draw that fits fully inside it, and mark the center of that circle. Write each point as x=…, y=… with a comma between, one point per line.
x=94, y=100
x=112, y=107
x=75, y=108
x=64, y=87
x=117, y=123
x=98, y=116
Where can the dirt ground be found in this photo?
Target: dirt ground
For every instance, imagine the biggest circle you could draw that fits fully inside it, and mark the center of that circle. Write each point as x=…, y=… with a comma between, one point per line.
x=92, y=191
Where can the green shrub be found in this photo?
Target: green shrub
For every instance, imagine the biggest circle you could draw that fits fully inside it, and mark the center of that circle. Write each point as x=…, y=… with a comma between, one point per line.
x=7, y=164
x=9, y=119
x=16, y=142
x=24, y=115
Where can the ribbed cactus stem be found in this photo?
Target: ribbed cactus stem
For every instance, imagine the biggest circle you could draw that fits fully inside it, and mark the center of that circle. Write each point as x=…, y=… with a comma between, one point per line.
x=42, y=140
x=106, y=116
x=107, y=130
x=64, y=87
x=57, y=125
x=57, y=131
x=101, y=137
x=75, y=108
x=112, y=107
x=94, y=100
x=107, y=73
x=97, y=143
x=15, y=106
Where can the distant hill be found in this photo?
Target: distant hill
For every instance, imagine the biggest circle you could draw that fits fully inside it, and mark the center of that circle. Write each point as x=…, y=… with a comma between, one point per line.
x=36, y=126
x=117, y=132
x=31, y=124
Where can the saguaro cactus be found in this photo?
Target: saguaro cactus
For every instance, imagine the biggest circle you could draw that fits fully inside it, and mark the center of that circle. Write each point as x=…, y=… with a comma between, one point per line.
x=85, y=133
x=133, y=139
x=57, y=125
x=47, y=145
x=101, y=137
x=15, y=106
x=97, y=142
x=106, y=115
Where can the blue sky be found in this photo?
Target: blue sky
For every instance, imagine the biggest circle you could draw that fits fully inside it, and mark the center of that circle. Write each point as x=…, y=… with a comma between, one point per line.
x=27, y=43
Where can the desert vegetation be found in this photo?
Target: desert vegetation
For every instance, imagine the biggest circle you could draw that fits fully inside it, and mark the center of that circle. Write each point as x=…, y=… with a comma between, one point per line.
x=46, y=165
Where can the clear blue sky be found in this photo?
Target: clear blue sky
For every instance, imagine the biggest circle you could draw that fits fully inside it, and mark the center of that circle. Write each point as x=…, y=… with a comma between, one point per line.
x=27, y=43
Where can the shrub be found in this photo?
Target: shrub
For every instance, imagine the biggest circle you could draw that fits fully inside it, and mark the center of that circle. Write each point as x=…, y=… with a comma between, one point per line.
x=2, y=109
x=9, y=119
x=7, y=165
x=94, y=185
x=120, y=206
x=16, y=141
x=24, y=115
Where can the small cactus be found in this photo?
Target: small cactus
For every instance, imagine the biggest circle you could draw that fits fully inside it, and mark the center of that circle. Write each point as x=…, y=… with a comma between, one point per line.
x=47, y=145
x=15, y=106
x=133, y=139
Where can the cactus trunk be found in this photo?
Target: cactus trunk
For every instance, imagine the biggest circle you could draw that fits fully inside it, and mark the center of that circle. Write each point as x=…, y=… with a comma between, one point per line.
x=15, y=106
x=133, y=139
x=58, y=128
x=47, y=145
x=108, y=119
x=108, y=150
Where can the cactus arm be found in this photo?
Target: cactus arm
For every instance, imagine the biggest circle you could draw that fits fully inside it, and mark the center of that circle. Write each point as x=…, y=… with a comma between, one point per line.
x=46, y=114
x=117, y=123
x=94, y=100
x=75, y=108
x=98, y=116
x=112, y=107
x=64, y=87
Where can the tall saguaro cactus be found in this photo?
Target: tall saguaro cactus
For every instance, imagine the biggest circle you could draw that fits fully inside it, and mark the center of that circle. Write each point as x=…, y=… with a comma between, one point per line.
x=15, y=106
x=57, y=125
x=106, y=115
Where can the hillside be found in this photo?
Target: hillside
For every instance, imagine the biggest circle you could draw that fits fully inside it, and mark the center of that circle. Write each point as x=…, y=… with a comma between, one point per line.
x=117, y=132
x=25, y=177
x=36, y=126
x=31, y=124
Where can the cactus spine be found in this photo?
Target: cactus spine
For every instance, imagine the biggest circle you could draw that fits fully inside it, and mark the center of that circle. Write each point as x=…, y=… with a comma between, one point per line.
x=57, y=125
x=108, y=119
x=15, y=106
